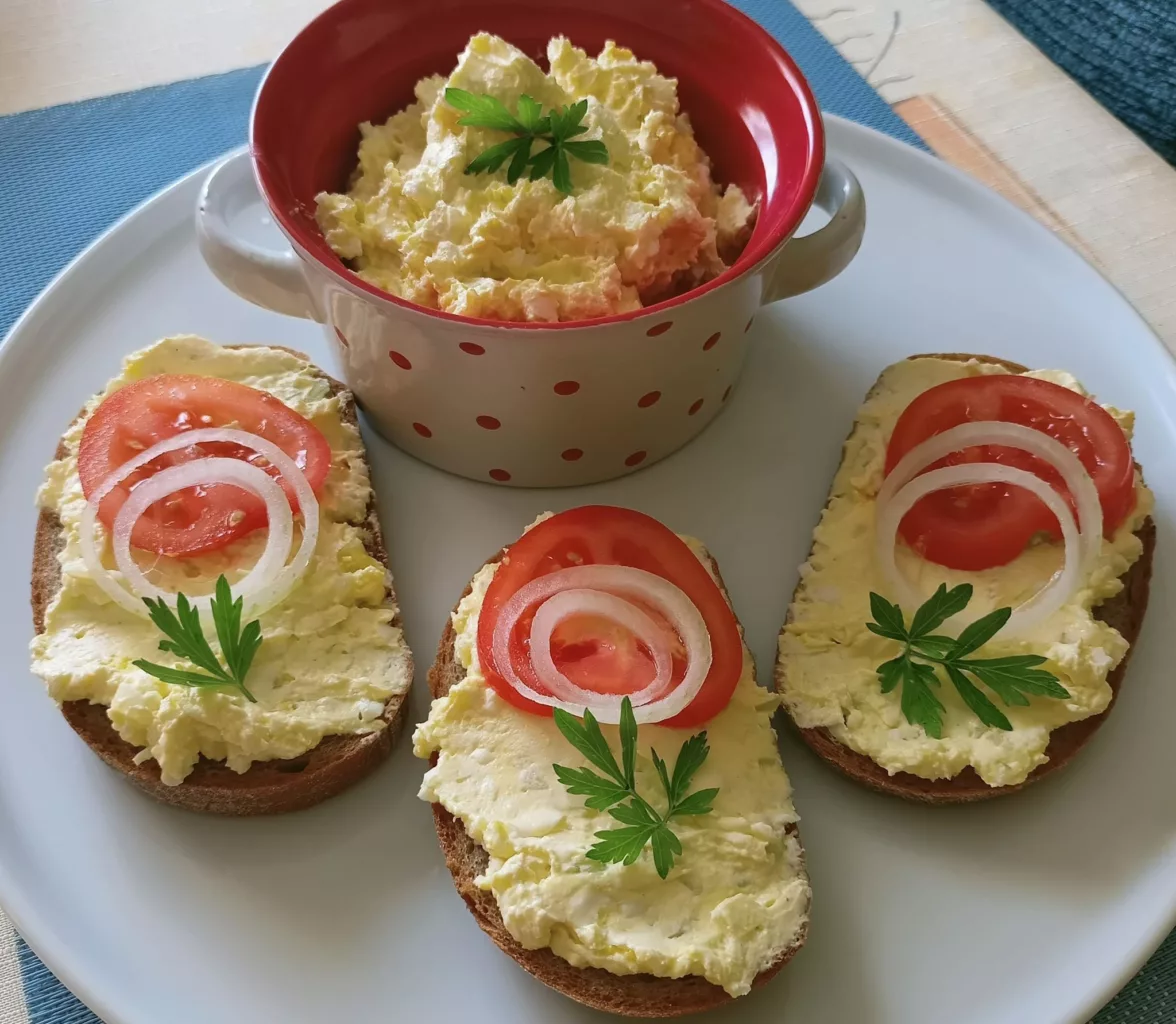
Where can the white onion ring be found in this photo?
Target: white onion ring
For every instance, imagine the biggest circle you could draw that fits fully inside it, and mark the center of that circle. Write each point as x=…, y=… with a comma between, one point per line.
x=266, y=589
x=567, y=603
x=192, y=474
x=655, y=703
x=903, y=488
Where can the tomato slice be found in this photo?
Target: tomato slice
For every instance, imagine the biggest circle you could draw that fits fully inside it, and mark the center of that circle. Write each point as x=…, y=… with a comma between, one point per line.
x=197, y=519
x=595, y=653
x=986, y=525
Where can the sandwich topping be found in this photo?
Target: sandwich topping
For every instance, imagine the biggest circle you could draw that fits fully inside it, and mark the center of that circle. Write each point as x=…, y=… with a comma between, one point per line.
x=223, y=481
x=980, y=472
x=514, y=193
x=598, y=847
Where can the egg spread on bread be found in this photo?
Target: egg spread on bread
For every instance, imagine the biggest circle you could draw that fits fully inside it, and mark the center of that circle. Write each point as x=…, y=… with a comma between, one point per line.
x=828, y=668
x=647, y=223
x=736, y=897
x=332, y=655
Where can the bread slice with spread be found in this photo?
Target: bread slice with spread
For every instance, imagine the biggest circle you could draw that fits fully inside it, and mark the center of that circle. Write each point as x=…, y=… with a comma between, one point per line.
x=631, y=931
x=322, y=698
x=1032, y=609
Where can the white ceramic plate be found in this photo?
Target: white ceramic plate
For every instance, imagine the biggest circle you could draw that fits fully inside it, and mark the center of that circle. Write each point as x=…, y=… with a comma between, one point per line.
x=1033, y=909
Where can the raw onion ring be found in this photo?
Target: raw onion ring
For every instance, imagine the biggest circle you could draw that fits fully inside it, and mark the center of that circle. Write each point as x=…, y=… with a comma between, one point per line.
x=261, y=589
x=1082, y=538
x=608, y=584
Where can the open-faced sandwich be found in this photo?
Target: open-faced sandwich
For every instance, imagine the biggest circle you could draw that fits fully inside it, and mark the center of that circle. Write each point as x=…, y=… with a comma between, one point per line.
x=210, y=590
x=976, y=581
x=604, y=774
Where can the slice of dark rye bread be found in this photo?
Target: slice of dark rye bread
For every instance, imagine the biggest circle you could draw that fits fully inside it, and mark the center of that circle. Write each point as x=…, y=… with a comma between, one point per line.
x=267, y=787
x=1124, y=612
x=630, y=995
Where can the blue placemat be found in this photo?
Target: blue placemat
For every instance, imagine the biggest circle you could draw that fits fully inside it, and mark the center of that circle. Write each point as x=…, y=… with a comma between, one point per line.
x=68, y=172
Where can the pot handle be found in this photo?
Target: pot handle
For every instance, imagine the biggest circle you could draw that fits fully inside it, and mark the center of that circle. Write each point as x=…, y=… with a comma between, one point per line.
x=808, y=262
x=269, y=278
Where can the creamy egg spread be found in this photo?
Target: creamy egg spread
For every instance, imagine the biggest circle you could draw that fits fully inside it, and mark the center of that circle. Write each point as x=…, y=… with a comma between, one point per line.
x=649, y=224
x=736, y=898
x=828, y=659
x=331, y=655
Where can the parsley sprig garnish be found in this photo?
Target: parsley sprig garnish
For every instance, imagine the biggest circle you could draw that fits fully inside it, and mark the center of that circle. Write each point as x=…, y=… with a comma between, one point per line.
x=643, y=824
x=558, y=128
x=186, y=639
x=1011, y=678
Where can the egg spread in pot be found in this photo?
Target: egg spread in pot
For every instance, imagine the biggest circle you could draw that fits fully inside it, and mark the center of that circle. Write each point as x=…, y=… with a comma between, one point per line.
x=647, y=224
x=332, y=655
x=828, y=659
x=738, y=895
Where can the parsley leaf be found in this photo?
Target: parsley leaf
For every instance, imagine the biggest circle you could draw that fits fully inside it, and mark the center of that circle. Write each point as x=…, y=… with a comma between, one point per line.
x=558, y=128
x=617, y=793
x=1012, y=679
x=185, y=639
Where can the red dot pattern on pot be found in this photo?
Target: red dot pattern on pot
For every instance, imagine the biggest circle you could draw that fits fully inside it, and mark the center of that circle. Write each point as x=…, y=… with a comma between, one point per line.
x=661, y=328
x=712, y=341
x=749, y=323
x=489, y=422
x=472, y=348
x=726, y=394
x=567, y=387
x=645, y=401
x=342, y=340
x=571, y=454
x=695, y=407
x=501, y=475
x=400, y=359
x=421, y=429
x=636, y=459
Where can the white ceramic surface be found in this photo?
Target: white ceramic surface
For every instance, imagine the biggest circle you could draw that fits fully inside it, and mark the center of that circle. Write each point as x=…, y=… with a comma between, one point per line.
x=1031, y=910
x=527, y=406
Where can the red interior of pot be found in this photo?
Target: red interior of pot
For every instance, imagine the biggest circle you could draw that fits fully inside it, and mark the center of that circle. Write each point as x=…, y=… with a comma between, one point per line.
x=752, y=111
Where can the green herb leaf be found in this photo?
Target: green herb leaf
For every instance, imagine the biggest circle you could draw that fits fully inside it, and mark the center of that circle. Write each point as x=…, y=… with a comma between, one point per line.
x=591, y=151
x=891, y=673
x=558, y=128
x=698, y=802
x=628, y=730
x=888, y=619
x=562, y=172
x=602, y=793
x=1012, y=679
x=185, y=639
x=980, y=632
x=621, y=845
x=666, y=846
x=483, y=111
x=940, y=607
x=530, y=113
x=690, y=758
x=981, y=706
x=934, y=647
x=618, y=793
x=543, y=162
x=920, y=706
x=587, y=738
x=494, y=157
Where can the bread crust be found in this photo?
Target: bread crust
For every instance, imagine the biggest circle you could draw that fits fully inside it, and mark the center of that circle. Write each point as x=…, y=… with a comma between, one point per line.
x=267, y=787
x=629, y=995
x=1124, y=612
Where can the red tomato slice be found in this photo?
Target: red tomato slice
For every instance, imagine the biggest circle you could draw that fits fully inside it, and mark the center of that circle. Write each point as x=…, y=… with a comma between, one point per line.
x=197, y=519
x=594, y=653
x=989, y=524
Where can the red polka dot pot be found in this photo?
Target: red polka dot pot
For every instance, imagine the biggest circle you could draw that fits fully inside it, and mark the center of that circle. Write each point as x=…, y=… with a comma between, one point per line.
x=531, y=404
